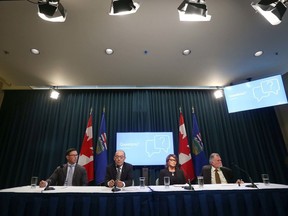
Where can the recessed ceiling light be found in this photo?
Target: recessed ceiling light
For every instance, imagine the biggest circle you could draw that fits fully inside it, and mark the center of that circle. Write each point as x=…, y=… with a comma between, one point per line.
x=35, y=51
x=258, y=53
x=109, y=51
x=186, y=52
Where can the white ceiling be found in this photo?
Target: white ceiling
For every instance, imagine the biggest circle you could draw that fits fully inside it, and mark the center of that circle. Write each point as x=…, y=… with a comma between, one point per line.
x=73, y=53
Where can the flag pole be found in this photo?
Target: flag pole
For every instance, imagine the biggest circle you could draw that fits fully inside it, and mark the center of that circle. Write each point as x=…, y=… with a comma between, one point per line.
x=91, y=110
x=184, y=152
x=101, y=152
x=86, y=156
x=199, y=157
x=180, y=109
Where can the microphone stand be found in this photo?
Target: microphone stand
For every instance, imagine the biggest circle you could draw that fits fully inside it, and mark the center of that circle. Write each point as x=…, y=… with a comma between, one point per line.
x=189, y=187
x=115, y=189
x=48, y=186
x=250, y=179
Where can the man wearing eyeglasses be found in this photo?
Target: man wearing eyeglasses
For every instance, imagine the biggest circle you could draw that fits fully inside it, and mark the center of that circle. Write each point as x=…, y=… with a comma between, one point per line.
x=119, y=173
x=69, y=174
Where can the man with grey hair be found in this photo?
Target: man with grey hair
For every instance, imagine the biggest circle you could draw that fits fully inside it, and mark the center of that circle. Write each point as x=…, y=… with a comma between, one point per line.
x=216, y=173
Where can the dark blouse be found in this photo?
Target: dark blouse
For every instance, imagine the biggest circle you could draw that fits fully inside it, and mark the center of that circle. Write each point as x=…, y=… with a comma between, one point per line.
x=175, y=178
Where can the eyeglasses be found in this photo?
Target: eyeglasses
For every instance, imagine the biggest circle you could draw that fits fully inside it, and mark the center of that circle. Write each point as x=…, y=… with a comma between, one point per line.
x=74, y=155
x=119, y=156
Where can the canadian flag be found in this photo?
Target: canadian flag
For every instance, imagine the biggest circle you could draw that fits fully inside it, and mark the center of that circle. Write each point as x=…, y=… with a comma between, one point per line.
x=185, y=159
x=86, y=154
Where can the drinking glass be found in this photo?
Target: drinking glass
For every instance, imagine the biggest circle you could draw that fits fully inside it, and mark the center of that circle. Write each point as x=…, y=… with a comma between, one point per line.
x=265, y=179
x=166, y=181
x=200, y=181
x=34, y=181
x=142, y=182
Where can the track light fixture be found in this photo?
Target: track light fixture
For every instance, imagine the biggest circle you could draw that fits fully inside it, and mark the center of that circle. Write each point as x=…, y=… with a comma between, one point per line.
x=123, y=7
x=51, y=10
x=54, y=94
x=271, y=10
x=193, y=10
x=218, y=93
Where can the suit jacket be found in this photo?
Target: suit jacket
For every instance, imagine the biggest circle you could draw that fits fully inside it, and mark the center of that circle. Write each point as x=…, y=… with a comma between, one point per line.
x=126, y=173
x=178, y=178
x=59, y=175
x=206, y=173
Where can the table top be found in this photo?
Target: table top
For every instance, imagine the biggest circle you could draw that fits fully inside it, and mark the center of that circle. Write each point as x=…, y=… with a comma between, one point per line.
x=207, y=187
x=137, y=189
x=75, y=189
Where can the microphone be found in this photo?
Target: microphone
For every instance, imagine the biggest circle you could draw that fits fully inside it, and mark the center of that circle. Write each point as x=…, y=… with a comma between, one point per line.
x=49, y=180
x=48, y=186
x=250, y=179
x=189, y=187
x=115, y=189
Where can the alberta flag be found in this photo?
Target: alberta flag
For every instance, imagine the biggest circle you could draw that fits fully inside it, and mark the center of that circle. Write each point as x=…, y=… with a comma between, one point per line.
x=101, y=153
x=86, y=153
x=199, y=158
x=185, y=159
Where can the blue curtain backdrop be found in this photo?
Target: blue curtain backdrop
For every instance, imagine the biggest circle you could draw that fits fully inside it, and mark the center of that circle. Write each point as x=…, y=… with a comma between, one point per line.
x=35, y=131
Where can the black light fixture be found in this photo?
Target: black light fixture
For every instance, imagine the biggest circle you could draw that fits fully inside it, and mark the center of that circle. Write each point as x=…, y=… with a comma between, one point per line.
x=51, y=10
x=123, y=7
x=193, y=10
x=271, y=10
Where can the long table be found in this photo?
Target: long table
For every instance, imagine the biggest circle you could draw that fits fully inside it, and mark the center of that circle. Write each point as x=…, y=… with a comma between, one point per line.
x=80, y=201
x=224, y=199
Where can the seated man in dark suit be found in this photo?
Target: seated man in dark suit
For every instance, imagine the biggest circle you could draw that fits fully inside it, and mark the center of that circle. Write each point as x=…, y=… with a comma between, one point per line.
x=69, y=174
x=216, y=173
x=119, y=173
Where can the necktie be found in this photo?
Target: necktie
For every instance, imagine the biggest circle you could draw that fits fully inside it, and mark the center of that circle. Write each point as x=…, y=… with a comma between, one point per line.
x=217, y=177
x=118, y=175
x=70, y=175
